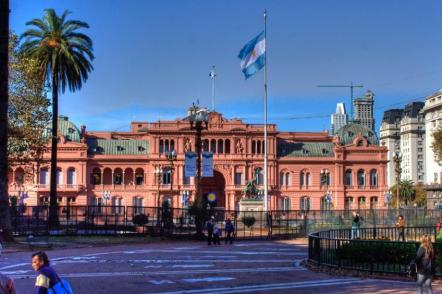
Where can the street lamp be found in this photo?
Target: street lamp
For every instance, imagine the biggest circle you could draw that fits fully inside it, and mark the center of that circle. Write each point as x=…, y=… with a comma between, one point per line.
x=106, y=197
x=159, y=174
x=397, y=159
x=198, y=118
x=171, y=157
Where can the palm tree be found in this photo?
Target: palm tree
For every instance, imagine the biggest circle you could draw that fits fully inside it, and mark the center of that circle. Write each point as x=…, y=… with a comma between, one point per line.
x=65, y=57
x=5, y=221
x=407, y=192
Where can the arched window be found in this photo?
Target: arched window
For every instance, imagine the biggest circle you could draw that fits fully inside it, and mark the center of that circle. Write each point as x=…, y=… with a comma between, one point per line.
x=220, y=146
x=96, y=176
x=287, y=179
x=118, y=176
x=139, y=177
x=302, y=178
x=253, y=147
x=213, y=146
x=305, y=203
x=19, y=176
x=281, y=179
x=348, y=178
x=167, y=176
x=373, y=202
x=172, y=145
x=44, y=179
x=166, y=146
x=259, y=176
x=227, y=143
x=348, y=204
x=258, y=147
x=59, y=177
x=161, y=146
x=361, y=178
x=374, y=178
x=307, y=179
x=72, y=178
x=361, y=202
x=206, y=145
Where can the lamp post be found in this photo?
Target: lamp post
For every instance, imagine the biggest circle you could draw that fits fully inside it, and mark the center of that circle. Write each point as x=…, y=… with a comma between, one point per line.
x=106, y=197
x=159, y=174
x=397, y=159
x=198, y=118
x=185, y=202
x=171, y=157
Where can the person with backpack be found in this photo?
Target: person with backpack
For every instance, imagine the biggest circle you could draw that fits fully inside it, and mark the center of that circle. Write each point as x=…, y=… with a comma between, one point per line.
x=426, y=267
x=229, y=231
x=47, y=280
x=209, y=228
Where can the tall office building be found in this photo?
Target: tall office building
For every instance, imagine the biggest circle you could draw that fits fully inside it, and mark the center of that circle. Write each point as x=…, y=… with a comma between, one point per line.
x=403, y=130
x=433, y=168
x=338, y=119
x=363, y=110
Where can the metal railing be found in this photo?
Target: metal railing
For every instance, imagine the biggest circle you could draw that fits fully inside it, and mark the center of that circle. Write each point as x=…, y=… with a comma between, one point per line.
x=375, y=250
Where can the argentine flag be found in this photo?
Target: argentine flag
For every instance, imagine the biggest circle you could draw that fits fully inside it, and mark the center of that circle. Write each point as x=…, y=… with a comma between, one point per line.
x=252, y=55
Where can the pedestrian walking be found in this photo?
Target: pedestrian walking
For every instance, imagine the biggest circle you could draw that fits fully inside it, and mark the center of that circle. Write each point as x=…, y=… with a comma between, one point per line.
x=216, y=235
x=355, y=226
x=400, y=225
x=229, y=231
x=47, y=280
x=426, y=267
x=209, y=228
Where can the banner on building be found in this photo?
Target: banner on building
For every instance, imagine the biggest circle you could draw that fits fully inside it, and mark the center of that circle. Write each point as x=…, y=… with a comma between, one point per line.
x=207, y=164
x=190, y=164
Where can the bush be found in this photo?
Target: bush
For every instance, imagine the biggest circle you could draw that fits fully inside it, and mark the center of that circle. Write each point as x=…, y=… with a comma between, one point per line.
x=377, y=252
x=140, y=219
x=248, y=221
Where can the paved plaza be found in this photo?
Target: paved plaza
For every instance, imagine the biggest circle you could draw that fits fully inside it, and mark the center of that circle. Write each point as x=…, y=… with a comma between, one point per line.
x=194, y=267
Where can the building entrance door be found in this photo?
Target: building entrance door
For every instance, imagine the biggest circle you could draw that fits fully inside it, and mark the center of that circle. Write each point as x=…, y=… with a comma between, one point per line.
x=217, y=185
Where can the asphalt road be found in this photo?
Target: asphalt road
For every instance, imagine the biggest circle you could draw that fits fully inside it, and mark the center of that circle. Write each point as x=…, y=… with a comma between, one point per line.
x=194, y=267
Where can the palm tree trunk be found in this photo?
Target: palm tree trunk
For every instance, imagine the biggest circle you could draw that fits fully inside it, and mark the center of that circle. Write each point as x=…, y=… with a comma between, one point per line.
x=5, y=220
x=53, y=209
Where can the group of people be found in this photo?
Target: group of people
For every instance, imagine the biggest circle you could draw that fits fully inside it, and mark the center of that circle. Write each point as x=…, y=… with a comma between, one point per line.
x=214, y=231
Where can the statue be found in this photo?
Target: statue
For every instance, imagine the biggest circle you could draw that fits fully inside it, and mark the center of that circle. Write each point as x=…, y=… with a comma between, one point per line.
x=187, y=146
x=251, y=192
x=239, y=147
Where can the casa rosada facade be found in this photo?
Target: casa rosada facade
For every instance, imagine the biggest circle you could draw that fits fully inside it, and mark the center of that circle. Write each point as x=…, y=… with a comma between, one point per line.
x=306, y=170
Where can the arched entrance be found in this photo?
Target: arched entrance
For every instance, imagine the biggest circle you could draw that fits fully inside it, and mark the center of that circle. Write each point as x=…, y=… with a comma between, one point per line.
x=217, y=185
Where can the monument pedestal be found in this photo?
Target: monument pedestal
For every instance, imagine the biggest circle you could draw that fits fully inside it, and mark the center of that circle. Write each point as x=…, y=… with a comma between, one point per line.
x=251, y=205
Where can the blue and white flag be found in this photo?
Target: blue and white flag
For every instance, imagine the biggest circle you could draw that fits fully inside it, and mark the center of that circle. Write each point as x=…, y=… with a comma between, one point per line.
x=252, y=55
x=207, y=164
x=190, y=164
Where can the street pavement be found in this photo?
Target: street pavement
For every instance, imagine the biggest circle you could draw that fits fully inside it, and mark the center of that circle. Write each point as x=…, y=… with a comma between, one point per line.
x=193, y=267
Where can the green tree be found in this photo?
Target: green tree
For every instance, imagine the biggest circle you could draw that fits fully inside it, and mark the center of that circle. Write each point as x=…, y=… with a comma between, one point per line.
x=407, y=193
x=421, y=195
x=64, y=55
x=5, y=220
x=437, y=144
x=28, y=115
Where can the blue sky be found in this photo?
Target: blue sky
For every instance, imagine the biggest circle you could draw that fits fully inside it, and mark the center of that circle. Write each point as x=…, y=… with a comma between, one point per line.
x=153, y=57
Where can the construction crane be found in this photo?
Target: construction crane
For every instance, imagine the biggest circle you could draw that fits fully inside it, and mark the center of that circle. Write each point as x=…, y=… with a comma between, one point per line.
x=351, y=86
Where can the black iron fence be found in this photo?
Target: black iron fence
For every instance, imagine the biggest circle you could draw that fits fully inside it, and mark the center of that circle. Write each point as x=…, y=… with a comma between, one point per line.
x=86, y=220
x=375, y=250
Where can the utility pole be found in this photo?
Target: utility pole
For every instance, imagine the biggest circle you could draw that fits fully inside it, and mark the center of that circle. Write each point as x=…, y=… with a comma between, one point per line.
x=351, y=86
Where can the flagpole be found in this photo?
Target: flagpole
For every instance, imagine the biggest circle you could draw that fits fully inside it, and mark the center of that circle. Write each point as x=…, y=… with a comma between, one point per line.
x=212, y=76
x=265, y=116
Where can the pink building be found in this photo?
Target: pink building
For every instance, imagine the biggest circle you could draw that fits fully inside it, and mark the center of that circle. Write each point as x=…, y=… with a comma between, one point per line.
x=306, y=170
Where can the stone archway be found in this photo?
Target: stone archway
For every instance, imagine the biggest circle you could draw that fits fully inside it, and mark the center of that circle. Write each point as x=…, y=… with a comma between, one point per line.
x=216, y=184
